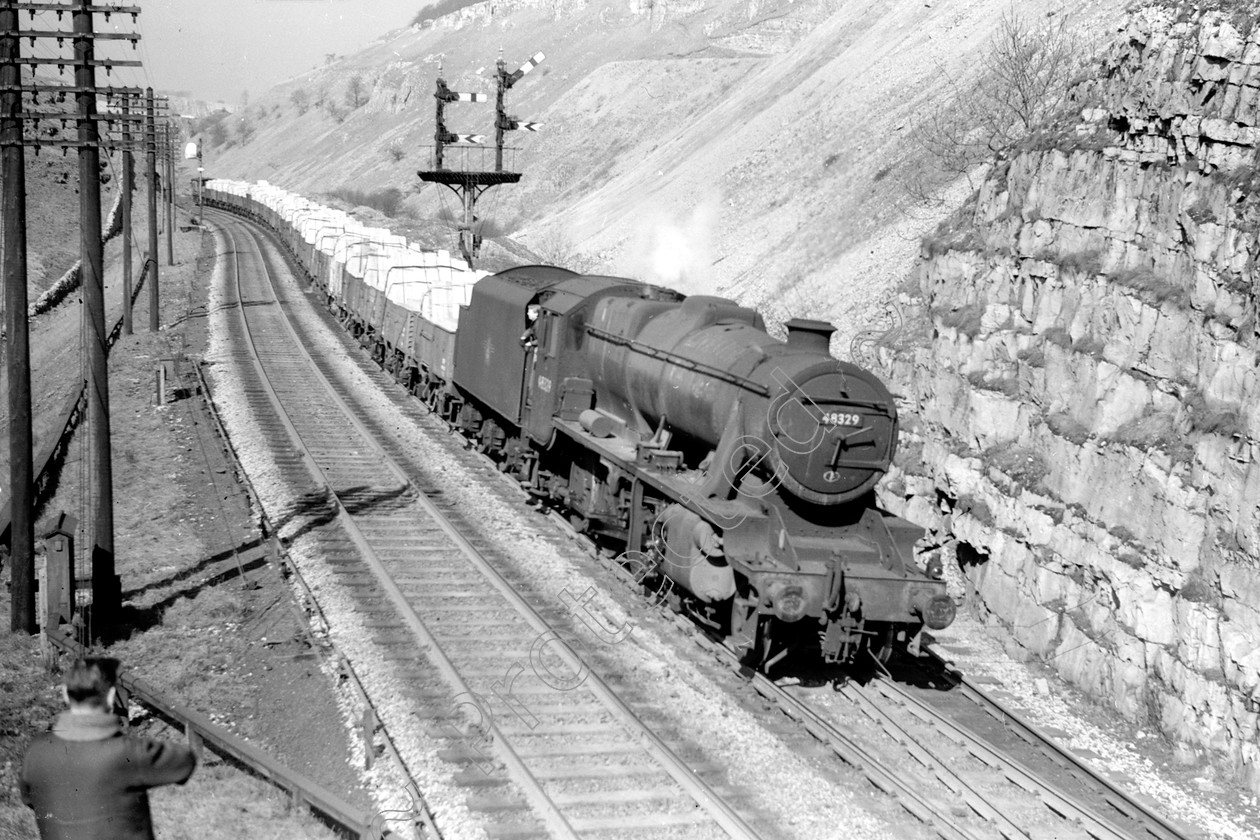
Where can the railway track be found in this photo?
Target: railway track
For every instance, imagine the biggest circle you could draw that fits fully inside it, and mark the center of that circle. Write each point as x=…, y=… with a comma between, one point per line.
x=551, y=747
x=962, y=785
x=1136, y=816
x=972, y=771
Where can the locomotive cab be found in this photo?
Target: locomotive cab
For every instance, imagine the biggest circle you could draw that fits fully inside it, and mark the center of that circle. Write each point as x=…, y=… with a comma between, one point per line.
x=489, y=367
x=559, y=383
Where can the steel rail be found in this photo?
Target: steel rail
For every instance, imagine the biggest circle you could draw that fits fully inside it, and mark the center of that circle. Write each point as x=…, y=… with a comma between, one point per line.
x=855, y=755
x=718, y=810
x=888, y=779
x=551, y=814
x=424, y=819
x=1123, y=802
x=940, y=768
x=884, y=777
x=1056, y=800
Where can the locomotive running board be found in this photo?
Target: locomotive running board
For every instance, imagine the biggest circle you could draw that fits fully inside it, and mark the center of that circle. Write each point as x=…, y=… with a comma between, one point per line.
x=684, y=492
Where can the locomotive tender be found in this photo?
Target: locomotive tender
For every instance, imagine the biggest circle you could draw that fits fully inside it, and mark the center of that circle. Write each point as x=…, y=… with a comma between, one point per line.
x=733, y=467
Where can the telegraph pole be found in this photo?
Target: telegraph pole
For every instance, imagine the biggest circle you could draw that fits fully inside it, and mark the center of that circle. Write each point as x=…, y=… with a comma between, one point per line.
x=150, y=158
x=21, y=460
x=128, y=177
x=106, y=593
x=169, y=160
x=201, y=184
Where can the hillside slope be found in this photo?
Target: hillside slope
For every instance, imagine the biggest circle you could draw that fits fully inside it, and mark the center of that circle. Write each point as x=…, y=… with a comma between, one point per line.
x=745, y=147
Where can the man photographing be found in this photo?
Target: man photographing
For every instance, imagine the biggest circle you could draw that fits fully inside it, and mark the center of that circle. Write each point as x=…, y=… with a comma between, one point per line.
x=87, y=779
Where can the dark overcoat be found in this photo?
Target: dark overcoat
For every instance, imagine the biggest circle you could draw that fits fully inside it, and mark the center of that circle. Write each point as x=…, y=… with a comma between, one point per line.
x=87, y=780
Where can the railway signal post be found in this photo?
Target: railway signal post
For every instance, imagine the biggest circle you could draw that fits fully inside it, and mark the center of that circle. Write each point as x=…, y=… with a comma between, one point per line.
x=469, y=185
x=503, y=122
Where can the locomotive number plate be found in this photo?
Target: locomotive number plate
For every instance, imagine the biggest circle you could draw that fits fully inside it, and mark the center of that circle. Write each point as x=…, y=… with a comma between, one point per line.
x=840, y=418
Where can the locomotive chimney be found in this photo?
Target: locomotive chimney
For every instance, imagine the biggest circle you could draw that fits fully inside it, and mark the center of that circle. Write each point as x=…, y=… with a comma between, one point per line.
x=809, y=336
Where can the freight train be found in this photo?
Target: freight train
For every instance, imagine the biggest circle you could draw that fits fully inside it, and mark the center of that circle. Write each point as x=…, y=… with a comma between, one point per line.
x=731, y=471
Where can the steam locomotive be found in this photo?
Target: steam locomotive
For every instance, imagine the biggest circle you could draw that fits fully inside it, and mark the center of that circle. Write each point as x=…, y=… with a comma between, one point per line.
x=732, y=471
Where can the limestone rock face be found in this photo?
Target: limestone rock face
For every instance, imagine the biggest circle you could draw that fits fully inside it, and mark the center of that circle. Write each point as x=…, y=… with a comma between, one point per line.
x=1083, y=426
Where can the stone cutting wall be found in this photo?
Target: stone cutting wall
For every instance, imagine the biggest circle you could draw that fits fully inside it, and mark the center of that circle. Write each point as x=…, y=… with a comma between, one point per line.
x=1079, y=366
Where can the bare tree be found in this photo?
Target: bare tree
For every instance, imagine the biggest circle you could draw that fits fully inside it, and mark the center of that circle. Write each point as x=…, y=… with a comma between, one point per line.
x=356, y=91
x=300, y=100
x=554, y=247
x=1023, y=84
x=245, y=128
x=216, y=133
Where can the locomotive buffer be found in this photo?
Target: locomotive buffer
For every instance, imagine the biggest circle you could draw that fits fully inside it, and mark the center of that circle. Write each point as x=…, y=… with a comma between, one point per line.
x=469, y=185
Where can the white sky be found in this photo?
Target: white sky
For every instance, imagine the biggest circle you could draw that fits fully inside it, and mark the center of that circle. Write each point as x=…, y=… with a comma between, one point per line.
x=218, y=48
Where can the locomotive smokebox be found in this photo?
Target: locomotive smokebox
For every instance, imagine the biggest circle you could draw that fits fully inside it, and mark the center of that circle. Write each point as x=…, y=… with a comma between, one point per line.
x=809, y=336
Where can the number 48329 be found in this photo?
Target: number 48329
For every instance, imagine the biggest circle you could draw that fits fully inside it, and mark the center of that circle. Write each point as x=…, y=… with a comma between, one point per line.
x=841, y=418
